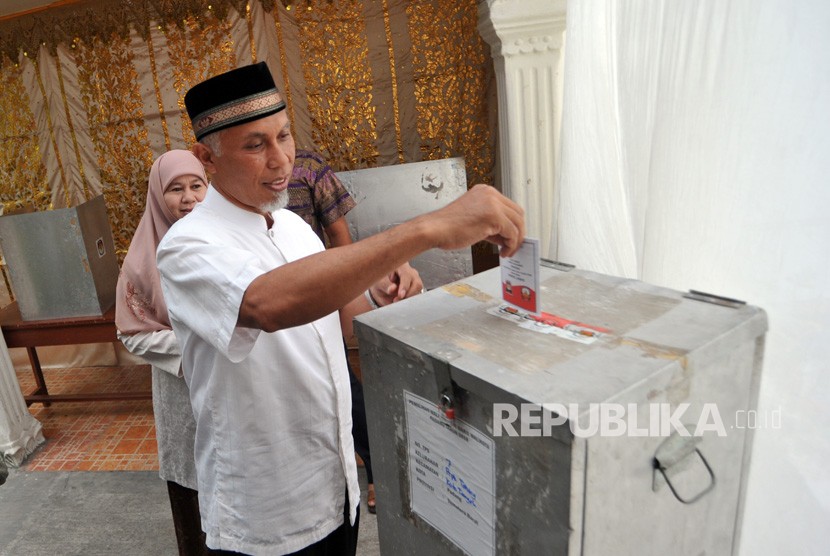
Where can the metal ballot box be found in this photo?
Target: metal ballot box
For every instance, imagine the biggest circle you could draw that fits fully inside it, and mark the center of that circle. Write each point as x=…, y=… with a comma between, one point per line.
x=61, y=262
x=615, y=423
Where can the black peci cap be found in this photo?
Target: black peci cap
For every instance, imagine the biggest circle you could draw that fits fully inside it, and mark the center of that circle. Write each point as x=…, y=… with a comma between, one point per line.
x=233, y=98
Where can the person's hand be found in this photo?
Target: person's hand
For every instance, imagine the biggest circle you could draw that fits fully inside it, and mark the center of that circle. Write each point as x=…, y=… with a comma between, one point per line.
x=480, y=214
x=402, y=283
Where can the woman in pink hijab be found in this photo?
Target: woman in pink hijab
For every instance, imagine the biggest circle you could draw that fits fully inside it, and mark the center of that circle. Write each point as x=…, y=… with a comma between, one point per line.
x=177, y=183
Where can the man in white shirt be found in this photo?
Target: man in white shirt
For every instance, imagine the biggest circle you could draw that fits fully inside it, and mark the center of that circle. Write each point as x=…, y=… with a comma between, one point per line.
x=254, y=298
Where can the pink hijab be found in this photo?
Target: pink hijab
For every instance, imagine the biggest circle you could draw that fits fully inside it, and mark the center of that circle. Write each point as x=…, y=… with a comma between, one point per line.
x=139, y=304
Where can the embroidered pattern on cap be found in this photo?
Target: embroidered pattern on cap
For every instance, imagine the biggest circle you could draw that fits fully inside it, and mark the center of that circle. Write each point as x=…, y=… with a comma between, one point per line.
x=231, y=112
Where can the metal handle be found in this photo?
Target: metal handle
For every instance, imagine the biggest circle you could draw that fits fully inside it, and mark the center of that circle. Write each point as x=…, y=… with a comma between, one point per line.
x=674, y=450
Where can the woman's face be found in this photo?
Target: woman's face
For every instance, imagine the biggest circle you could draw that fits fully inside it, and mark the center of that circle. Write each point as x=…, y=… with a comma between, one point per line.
x=182, y=194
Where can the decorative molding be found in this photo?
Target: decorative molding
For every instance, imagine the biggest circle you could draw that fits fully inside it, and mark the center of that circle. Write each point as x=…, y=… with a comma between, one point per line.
x=514, y=27
x=526, y=38
x=529, y=45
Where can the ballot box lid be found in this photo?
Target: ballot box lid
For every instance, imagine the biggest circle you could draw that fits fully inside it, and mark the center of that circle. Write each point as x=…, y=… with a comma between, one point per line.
x=610, y=334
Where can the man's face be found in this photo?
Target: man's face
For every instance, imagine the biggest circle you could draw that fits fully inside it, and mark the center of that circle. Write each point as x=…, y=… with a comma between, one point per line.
x=255, y=164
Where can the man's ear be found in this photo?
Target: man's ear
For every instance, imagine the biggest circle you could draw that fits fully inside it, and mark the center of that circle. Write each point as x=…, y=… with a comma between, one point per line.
x=205, y=156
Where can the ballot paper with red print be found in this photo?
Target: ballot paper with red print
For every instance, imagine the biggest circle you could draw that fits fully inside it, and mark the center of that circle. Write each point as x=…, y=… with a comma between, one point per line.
x=520, y=277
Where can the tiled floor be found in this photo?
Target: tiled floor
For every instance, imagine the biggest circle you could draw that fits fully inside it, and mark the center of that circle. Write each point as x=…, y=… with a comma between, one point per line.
x=97, y=436
x=109, y=436
x=94, y=436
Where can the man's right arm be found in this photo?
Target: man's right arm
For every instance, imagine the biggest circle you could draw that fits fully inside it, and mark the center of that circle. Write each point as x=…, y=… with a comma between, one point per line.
x=312, y=287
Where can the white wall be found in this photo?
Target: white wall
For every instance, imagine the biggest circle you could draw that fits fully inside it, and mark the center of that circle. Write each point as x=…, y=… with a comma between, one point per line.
x=696, y=155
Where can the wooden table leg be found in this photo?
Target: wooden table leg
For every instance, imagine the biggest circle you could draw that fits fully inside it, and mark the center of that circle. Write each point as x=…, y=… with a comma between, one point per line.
x=39, y=380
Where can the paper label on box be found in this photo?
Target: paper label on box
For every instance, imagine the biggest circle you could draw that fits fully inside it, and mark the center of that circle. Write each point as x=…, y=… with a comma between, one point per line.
x=452, y=479
x=546, y=323
x=520, y=277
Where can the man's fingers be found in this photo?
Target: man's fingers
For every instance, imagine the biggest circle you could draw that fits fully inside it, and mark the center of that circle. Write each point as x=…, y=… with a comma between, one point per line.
x=507, y=218
x=408, y=281
x=511, y=229
x=481, y=214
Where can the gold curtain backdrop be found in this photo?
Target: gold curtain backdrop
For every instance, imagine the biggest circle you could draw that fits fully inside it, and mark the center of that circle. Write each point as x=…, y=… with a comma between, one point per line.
x=92, y=91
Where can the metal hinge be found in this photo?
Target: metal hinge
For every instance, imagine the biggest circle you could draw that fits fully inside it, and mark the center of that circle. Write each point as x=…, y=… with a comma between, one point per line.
x=716, y=299
x=447, y=397
x=564, y=267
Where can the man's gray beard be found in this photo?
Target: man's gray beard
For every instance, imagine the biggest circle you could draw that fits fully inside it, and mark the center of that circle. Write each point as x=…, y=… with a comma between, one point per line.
x=279, y=203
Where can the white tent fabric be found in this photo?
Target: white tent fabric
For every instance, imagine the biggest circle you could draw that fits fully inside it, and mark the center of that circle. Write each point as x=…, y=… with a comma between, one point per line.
x=696, y=155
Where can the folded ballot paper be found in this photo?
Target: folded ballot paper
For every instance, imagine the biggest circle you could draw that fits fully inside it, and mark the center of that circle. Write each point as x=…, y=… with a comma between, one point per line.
x=523, y=303
x=520, y=277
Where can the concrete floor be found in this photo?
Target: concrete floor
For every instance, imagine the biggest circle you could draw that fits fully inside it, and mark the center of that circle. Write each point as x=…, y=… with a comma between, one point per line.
x=126, y=513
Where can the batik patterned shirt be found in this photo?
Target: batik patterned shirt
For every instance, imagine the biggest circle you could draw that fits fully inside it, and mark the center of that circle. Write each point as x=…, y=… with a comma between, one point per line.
x=315, y=193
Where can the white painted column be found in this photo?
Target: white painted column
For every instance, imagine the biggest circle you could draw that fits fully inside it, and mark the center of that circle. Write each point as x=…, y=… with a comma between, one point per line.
x=526, y=38
x=20, y=432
